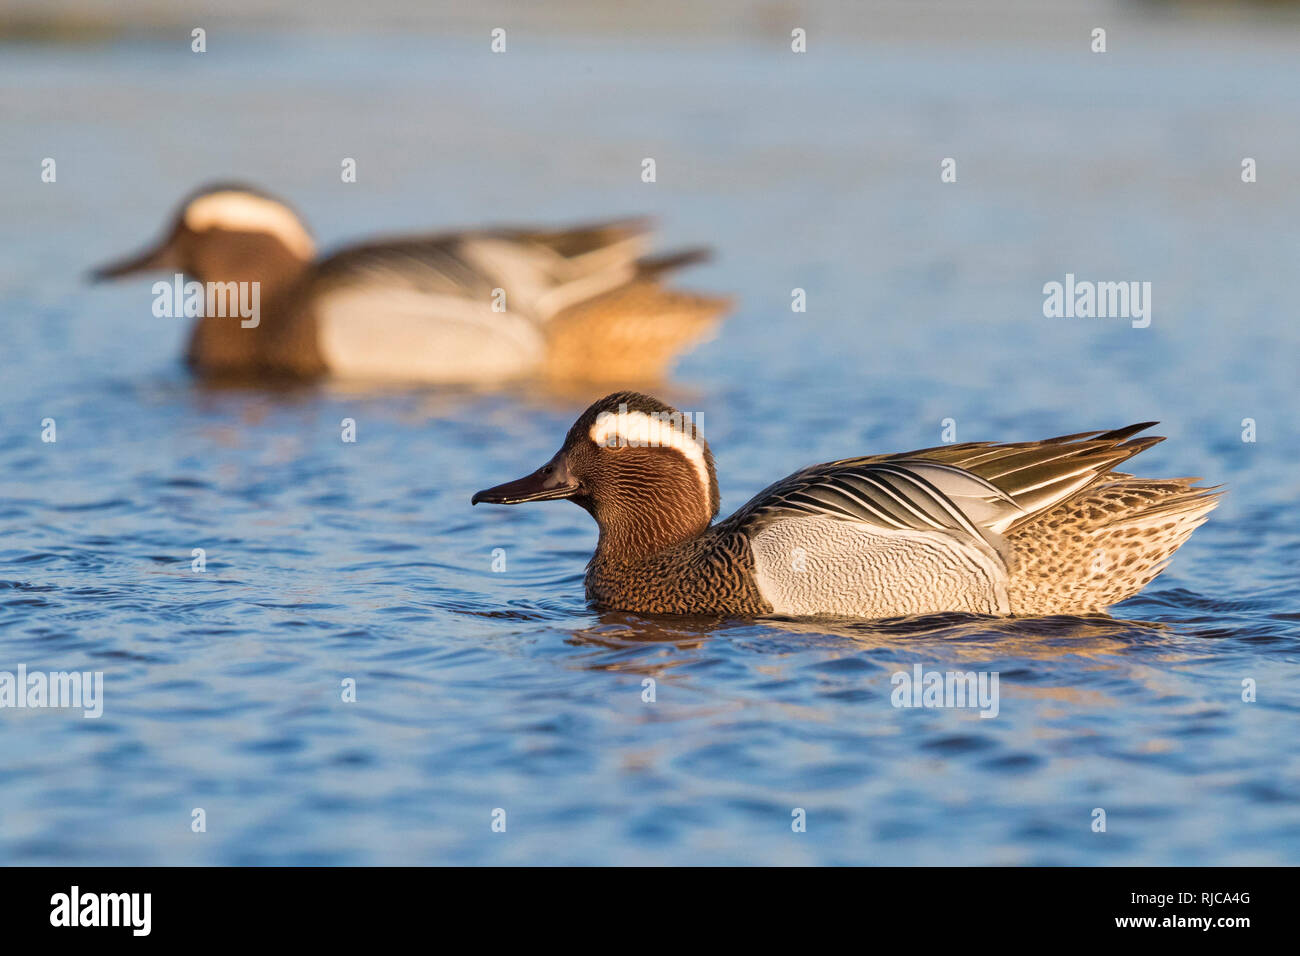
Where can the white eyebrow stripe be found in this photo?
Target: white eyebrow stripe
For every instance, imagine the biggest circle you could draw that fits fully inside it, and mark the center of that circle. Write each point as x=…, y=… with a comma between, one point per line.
x=244, y=212
x=639, y=428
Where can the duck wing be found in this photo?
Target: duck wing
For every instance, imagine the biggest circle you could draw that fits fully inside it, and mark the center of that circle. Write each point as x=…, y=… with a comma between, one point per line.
x=540, y=272
x=913, y=532
x=900, y=495
x=468, y=306
x=974, y=491
x=1037, y=475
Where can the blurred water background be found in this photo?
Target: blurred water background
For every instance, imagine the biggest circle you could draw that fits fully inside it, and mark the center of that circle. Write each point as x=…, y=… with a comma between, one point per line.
x=480, y=690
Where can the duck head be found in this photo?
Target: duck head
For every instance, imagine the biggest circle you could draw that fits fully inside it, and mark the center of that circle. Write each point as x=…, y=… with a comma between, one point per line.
x=640, y=468
x=225, y=233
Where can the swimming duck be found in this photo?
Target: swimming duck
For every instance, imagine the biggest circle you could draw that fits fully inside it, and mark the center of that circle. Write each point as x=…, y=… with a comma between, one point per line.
x=1022, y=528
x=582, y=303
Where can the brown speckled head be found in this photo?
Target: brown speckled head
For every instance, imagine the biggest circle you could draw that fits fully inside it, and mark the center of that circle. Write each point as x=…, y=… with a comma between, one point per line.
x=638, y=465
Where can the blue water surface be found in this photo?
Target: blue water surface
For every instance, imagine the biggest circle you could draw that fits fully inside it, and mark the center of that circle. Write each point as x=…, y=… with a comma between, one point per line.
x=480, y=689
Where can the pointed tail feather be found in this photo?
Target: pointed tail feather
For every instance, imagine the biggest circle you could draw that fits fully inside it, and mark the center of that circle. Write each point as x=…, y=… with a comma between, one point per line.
x=654, y=266
x=576, y=241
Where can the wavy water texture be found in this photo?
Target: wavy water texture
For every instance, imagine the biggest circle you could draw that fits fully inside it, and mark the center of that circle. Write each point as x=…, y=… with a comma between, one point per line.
x=480, y=688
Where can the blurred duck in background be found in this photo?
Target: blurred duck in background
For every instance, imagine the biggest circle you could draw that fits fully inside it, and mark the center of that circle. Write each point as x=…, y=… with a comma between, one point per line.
x=478, y=307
